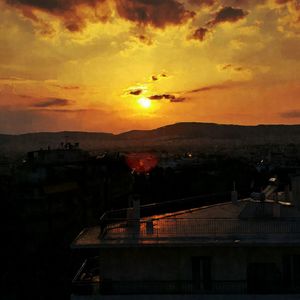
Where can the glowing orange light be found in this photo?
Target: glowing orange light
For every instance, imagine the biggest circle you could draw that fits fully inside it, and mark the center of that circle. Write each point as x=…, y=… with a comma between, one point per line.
x=141, y=162
x=144, y=102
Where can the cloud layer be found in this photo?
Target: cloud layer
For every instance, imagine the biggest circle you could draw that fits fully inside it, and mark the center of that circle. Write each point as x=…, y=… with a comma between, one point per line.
x=170, y=97
x=225, y=14
x=75, y=14
x=156, y=13
x=52, y=102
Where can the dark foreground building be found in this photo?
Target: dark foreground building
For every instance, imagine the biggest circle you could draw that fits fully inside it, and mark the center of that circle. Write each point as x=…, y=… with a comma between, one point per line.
x=241, y=248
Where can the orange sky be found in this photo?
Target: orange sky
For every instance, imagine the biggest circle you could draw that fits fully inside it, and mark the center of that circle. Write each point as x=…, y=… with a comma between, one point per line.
x=116, y=65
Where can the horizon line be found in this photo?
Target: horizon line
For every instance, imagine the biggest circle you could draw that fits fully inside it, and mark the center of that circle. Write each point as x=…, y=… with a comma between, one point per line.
x=131, y=130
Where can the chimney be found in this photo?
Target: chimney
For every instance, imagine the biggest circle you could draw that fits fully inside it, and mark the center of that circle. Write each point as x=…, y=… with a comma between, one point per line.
x=133, y=214
x=234, y=195
x=136, y=209
x=296, y=191
x=149, y=226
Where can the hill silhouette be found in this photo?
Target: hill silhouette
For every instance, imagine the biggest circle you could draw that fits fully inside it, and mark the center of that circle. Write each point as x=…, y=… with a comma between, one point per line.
x=176, y=135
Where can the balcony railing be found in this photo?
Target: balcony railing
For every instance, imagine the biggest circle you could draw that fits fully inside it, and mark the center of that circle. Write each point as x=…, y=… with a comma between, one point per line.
x=87, y=279
x=197, y=228
x=179, y=287
x=160, y=287
x=172, y=287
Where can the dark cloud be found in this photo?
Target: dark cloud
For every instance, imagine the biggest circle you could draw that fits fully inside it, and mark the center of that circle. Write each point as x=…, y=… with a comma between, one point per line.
x=202, y=2
x=200, y=34
x=254, y=3
x=162, y=96
x=145, y=39
x=208, y=88
x=156, y=13
x=67, y=87
x=158, y=77
x=291, y=114
x=178, y=99
x=221, y=86
x=238, y=69
x=227, y=14
x=54, y=6
x=69, y=11
x=283, y=1
x=170, y=97
x=135, y=92
x=25, y=96
x=52, y=102
x=232, y=67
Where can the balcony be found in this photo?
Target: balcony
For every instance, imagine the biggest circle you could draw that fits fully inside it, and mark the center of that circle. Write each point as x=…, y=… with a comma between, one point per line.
x=109, y=287
x=216, y=287
x=87, y=279
x=172, y=287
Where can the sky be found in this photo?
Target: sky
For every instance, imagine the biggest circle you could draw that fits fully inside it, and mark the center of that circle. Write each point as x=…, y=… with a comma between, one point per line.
x=117, y=65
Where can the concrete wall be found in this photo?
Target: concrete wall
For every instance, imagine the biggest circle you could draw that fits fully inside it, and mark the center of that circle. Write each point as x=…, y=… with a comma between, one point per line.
x=170, y=263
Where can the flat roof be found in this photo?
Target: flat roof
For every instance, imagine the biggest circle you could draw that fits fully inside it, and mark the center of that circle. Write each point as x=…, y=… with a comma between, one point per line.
x=220, y=224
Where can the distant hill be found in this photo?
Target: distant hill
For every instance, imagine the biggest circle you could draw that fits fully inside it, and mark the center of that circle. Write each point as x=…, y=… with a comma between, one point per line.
x=216, y=131
x=172, y=135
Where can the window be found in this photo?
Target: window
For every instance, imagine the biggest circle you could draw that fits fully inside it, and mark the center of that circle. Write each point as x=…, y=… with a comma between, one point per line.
x=201, y=273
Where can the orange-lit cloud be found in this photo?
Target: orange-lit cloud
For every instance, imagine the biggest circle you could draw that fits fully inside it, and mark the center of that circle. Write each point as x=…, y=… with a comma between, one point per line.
x=154, y=12
x=84, y=64
x=225, y=14
x=170, y=97
x=75, y=14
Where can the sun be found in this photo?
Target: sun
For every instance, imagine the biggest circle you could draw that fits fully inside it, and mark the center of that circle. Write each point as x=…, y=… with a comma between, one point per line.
x=144, y=102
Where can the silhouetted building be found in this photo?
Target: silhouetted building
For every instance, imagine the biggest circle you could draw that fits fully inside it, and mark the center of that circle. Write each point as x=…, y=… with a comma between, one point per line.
x=246, y=247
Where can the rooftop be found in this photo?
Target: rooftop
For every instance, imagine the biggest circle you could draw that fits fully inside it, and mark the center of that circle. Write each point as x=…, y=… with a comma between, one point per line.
x=247, y=222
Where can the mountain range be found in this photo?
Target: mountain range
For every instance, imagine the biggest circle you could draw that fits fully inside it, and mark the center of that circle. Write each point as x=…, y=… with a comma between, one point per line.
x=179, y=134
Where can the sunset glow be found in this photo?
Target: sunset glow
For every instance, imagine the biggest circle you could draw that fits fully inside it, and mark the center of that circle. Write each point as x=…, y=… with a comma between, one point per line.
x=144, y=102
x=109, y=65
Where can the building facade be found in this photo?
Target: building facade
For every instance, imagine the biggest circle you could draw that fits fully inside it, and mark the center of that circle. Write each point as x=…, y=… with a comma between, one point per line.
x=243, y=248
